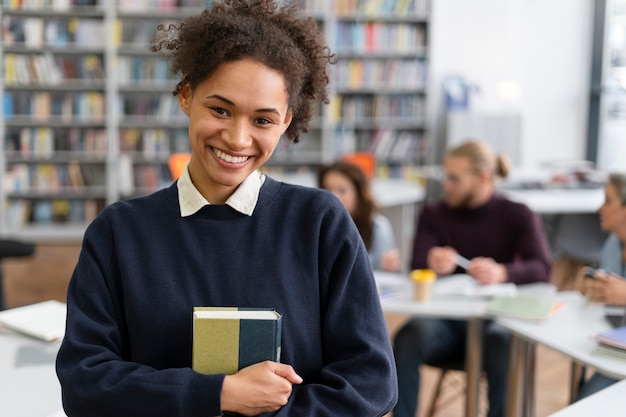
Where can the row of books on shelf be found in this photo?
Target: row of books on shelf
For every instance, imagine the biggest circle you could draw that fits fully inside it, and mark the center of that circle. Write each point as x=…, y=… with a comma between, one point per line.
x=52, y=69
x=90, y=105
x=41, y=106
x=390, y=73
x=377, y=37
x=134, y=179
x=37, y=32
x=376, y=8
x=138, y=32
x=57, y=5
x=124, y=6
x=28, y=181
x=154, y=142
x=71, y=177
x=164, y=106
x=52, y=211
x=130, y=70
x=387, y=145
x=358, y=107
x=44, y=142
x=160, y=5
x=369, y=7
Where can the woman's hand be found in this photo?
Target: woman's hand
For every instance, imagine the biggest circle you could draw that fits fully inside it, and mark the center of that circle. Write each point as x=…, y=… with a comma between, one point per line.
x=259, y=388
x=606, y=288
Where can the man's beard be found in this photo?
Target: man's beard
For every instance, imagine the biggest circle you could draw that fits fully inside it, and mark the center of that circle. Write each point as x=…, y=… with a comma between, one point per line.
x=462, y=203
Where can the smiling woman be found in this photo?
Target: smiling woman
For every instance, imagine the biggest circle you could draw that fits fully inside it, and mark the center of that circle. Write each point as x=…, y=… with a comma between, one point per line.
x=249, y=71
x=236, y=118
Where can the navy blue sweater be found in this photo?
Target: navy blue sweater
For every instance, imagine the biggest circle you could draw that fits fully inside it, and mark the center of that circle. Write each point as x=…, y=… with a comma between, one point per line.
x=142, y=269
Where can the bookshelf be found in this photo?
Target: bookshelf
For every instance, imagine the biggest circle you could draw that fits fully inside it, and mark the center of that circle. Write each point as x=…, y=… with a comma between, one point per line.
x=378, y=87
x=89, y=118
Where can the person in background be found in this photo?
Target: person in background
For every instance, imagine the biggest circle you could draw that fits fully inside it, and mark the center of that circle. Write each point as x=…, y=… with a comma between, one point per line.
x=504, y=242
x=608, y=285
x=350, y=184
x=224, y=234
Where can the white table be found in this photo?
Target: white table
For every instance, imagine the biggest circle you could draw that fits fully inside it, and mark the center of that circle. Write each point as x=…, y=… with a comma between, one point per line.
x=28, y=389
x=471, y=310
x=605, y=403
x=569, y=332
x=558, y=200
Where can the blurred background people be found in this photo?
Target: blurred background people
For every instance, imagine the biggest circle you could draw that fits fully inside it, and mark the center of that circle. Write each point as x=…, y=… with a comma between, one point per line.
x=350, y=184
x=608, y=285
x=503, y=242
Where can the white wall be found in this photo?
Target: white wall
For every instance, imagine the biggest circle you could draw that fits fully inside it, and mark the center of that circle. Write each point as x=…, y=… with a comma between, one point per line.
x=542, y=45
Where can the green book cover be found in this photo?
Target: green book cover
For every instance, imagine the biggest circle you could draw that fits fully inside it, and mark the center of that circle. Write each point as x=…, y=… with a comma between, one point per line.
x=226, y=339
x=523, y=306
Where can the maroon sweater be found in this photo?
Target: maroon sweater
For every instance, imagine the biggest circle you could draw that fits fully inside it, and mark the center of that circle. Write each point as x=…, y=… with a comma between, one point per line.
x=504, y=230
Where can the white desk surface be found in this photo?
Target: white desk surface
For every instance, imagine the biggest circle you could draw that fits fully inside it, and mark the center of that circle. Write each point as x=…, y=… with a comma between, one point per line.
x=606, y=403
x=28, y=390
x=460, y=308
x=570, y=332
x=557, y=200
x=441, y=305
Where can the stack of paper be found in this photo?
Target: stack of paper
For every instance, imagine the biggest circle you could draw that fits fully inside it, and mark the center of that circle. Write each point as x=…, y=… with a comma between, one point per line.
x=466, y=286
x=612, y=342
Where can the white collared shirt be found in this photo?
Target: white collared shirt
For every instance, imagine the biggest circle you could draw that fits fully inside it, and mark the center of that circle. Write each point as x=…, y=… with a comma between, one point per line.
x=243, y=200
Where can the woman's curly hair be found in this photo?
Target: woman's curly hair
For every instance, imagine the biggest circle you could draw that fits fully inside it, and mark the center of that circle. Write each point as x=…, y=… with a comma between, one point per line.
x=259, y=30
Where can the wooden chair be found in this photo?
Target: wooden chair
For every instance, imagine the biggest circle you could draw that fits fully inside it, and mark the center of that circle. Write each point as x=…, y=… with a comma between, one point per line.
x=446, y=367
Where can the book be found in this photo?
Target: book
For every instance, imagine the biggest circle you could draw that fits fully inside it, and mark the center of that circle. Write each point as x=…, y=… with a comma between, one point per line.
x=610, y=351
x=44, y=320
x=227, y=339
x=614, y=337
x=523, y=306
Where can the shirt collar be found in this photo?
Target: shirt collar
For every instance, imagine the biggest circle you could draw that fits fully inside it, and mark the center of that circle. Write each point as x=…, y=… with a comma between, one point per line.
x=243, y=200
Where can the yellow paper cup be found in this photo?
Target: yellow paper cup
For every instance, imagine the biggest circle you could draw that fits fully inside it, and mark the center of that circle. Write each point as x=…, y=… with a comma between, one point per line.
x=423, y=280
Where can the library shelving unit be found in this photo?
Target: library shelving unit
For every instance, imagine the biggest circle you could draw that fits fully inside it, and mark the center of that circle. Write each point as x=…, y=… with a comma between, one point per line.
x=88, y=115
x=378, y=88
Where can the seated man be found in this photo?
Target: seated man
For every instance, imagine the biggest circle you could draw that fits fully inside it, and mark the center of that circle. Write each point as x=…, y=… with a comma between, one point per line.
x=504, y=241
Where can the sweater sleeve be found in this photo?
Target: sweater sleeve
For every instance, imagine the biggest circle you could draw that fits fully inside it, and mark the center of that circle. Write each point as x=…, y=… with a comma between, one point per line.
x=358, y=377
x=94, y=365
x=534, y=263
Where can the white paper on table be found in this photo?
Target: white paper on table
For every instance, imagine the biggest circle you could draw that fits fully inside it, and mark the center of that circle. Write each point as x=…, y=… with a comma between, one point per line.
x=44, y=320
x=466, y=286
